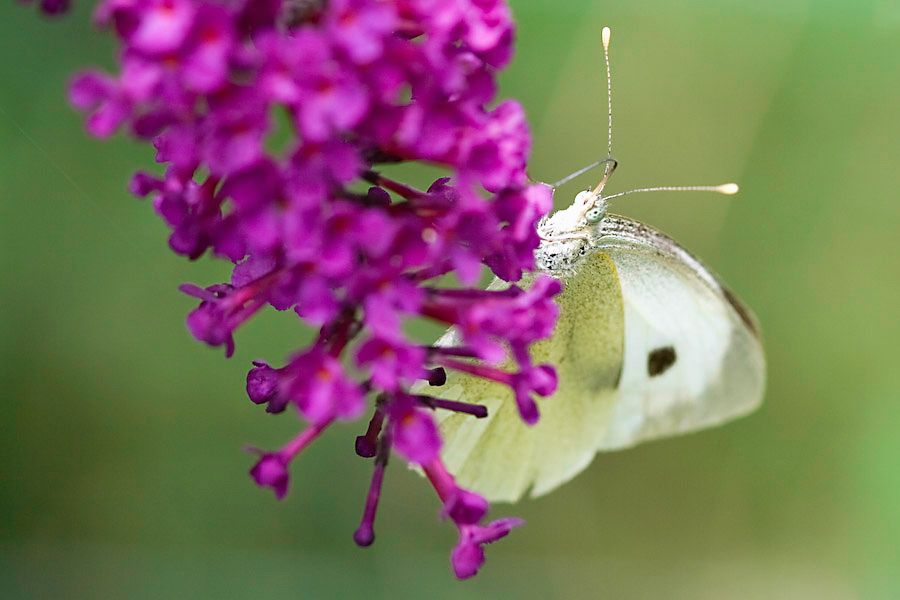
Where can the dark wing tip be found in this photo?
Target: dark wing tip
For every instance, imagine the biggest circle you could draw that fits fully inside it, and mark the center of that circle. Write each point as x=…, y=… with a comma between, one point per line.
x=742, y=311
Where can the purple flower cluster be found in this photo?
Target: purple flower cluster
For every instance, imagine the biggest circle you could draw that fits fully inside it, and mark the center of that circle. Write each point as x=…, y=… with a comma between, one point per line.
x=359, y=83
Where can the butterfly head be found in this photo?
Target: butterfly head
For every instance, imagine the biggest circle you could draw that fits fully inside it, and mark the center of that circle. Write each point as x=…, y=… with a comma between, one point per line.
x=575, y=221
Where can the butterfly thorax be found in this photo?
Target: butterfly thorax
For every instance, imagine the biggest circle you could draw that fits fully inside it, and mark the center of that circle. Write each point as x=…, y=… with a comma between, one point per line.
x=568, y=234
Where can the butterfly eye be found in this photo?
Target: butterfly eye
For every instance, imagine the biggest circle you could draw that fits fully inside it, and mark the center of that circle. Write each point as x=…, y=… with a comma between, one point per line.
x=594, y=214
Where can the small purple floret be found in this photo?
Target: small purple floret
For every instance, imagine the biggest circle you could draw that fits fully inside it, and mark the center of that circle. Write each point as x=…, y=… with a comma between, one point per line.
x=320, y=388
x=416, y=435
x=391, y=364
x=468, y=555
x=271, y=471
x=262, y=382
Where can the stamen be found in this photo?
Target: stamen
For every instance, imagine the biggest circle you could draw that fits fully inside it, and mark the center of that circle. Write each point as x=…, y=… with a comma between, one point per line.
x=365, y=533
x=483, y=371
x=437, y=376
x=401, y=189
x=479, y=411
x=472, y=293
x=367, y=445
x=445, y=305
x=460, y=351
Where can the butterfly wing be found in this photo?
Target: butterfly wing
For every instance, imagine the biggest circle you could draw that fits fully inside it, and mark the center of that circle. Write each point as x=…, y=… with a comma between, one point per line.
x=501, y=457
x=648, y=344
x=693, y=356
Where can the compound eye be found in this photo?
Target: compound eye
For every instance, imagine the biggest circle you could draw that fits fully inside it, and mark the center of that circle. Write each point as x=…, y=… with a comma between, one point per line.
x=594, y=214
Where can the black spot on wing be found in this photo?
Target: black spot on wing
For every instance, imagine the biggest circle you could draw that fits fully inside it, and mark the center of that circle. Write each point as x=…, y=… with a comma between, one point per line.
x=659, y=360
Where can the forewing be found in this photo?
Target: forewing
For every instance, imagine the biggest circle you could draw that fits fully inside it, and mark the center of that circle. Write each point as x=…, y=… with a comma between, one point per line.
x=693, y=357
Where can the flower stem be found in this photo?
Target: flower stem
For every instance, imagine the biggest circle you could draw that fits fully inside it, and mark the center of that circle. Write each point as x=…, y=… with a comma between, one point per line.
x=306, y=437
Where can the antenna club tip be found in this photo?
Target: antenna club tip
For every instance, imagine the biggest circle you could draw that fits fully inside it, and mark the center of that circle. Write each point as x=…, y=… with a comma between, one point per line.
x=605, y=36
x=729, y=189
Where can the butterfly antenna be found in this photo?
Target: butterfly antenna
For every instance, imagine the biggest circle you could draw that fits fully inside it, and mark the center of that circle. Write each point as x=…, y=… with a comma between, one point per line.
x=611, y=163
x=604, y=36
x=729, y=189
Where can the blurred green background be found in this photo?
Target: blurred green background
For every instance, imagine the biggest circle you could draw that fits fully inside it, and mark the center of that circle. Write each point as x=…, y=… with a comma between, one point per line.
x=123, y=475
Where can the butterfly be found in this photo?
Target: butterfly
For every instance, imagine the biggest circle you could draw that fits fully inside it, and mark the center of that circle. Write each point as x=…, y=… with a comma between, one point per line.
x=649, y=343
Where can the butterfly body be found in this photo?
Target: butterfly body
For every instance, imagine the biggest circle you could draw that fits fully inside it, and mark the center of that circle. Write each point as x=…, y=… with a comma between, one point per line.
x=649, y=343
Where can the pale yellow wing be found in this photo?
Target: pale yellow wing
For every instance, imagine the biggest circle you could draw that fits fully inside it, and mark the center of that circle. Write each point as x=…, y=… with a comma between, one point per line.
x=500, y=456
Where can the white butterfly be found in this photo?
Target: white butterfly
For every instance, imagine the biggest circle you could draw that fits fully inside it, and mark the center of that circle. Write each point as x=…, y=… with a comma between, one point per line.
x=649, y=343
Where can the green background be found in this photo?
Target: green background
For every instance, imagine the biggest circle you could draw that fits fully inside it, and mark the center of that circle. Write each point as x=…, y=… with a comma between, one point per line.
x=122, y=469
